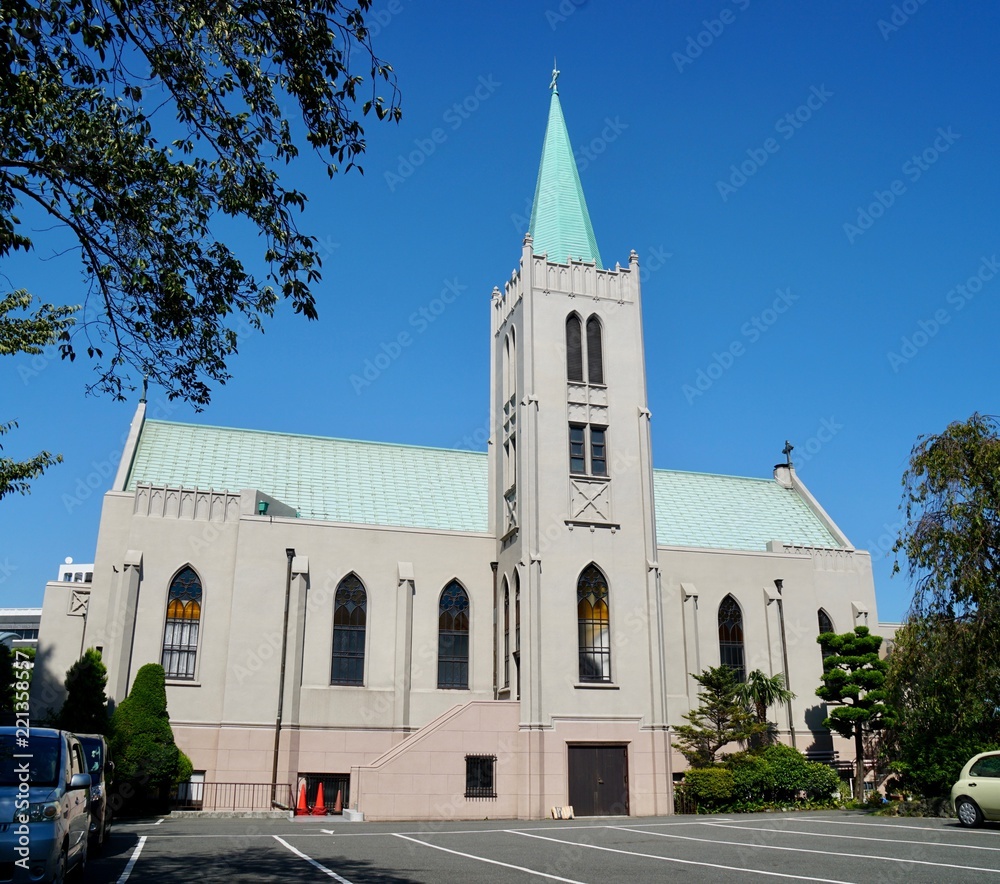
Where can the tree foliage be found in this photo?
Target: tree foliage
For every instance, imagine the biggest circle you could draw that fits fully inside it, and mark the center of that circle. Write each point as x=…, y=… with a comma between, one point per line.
x=85, y=709
x=760, y=692
x=24, y=332
x=138, y=126
x=142, y=741
x=720, y=718
x=754, y=780
x=945, y=664
x=854, y=677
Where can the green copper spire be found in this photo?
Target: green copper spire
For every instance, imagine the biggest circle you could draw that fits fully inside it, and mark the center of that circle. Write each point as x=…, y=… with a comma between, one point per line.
x=560, y=223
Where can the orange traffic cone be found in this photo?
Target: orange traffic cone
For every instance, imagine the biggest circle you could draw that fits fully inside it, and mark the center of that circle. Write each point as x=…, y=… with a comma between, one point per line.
x=302, y=808
x=319, y=808
x=338, y=804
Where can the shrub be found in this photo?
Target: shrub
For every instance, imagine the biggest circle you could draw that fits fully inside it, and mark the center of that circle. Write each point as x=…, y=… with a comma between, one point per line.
x=85, y=709
x=710, y=787
x=146, y=757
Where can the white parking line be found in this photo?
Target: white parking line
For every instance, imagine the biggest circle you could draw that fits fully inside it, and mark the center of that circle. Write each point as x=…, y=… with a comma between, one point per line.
x=493, y=862
x=132, y=861
x=881, y=825
x=866, y=856
x=311, y=861
x=671, y=859
x=851, y=837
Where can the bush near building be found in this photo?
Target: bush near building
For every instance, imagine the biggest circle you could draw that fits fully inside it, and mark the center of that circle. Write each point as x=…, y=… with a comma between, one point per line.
x=147, y=761
x=778, y=776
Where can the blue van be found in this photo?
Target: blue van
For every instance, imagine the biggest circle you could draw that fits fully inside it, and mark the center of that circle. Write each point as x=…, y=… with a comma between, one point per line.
x=44, y=804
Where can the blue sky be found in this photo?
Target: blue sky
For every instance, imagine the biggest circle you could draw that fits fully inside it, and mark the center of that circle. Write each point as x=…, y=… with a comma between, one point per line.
x=812, y=190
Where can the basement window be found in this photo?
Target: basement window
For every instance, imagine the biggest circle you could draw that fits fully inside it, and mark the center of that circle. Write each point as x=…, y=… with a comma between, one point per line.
x=479, y=776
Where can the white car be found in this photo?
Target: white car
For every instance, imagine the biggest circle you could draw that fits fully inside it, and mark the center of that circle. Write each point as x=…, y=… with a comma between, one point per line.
x=976, y=795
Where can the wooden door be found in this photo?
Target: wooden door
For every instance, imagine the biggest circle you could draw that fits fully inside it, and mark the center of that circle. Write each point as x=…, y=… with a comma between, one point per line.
x=598, y=780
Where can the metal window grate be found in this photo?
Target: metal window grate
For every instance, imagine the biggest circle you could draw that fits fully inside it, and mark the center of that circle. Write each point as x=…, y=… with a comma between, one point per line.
x=480, y=776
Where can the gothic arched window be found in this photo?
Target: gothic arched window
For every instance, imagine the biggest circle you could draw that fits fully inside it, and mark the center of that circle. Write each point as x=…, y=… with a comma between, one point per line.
x=595, y=353
x=731, y=651
x=593, y=625
x=825, y=625
x=350, y=619
x=574, y=348
x=453, y=637
x=180, y=636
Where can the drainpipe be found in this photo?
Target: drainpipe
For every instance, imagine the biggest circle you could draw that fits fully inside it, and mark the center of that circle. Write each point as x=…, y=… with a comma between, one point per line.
x=290, y=553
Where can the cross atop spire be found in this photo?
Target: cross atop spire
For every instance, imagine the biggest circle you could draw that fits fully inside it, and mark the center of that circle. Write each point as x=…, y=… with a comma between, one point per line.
x=560, y=223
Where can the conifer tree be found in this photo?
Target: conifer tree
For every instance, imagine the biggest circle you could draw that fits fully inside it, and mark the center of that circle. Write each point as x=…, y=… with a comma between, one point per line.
x=854, y=676
x=720, y=718
x=85, y=709
x=146, y=756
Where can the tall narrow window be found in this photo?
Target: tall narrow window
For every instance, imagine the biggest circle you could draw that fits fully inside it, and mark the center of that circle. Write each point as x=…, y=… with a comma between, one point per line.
x=350, y=618
x=825, y=625
x=517, y=631
x=574, y=349
x=731, y=652
x=506, y=633
x=593, y=625
x=595, y=355
x=180, y=637
x=577, y=449
x=453, y=637
x=598, y=452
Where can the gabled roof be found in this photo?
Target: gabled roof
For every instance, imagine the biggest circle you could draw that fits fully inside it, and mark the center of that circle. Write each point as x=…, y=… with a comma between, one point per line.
x=732, y=512
x=336, y=480
x=373, y=483
x=560, y=223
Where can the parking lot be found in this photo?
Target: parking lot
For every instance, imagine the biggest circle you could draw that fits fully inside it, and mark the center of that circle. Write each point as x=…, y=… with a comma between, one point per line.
x=821, y=846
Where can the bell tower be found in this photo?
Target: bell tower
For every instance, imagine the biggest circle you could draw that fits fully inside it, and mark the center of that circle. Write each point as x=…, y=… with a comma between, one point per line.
x=580, y=620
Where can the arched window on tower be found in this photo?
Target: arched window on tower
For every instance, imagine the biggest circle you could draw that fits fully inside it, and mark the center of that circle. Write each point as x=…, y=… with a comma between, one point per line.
x=593, y=622
x=453, y=638
x=574, y=349
x=825, y=625
x=517, y=633
x=731, y=652
x=595, y=353
x=350, y=619
x=180, y=635
x=506, y=634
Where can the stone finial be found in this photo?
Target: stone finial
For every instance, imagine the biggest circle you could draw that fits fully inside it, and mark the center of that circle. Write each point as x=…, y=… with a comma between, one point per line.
x=633, y=257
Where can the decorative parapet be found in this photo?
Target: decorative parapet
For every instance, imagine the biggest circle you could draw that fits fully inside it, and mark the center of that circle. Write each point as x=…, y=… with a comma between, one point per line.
x=825, y=558
x=577, y=279
x=166, y=502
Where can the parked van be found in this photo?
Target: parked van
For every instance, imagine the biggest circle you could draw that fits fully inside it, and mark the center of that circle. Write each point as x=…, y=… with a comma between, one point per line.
x=101, y=769
x=44, y=803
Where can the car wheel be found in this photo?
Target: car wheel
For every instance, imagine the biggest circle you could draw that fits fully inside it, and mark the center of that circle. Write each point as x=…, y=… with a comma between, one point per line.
x=968, y=812
x=60, y=874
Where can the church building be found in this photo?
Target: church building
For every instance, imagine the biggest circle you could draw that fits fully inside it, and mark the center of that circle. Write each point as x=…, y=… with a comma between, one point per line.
x=445, y=634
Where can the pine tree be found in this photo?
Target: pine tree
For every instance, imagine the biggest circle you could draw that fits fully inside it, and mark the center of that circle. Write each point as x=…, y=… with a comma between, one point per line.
x=721, y=718
x=854, y=676
x=85, y=709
